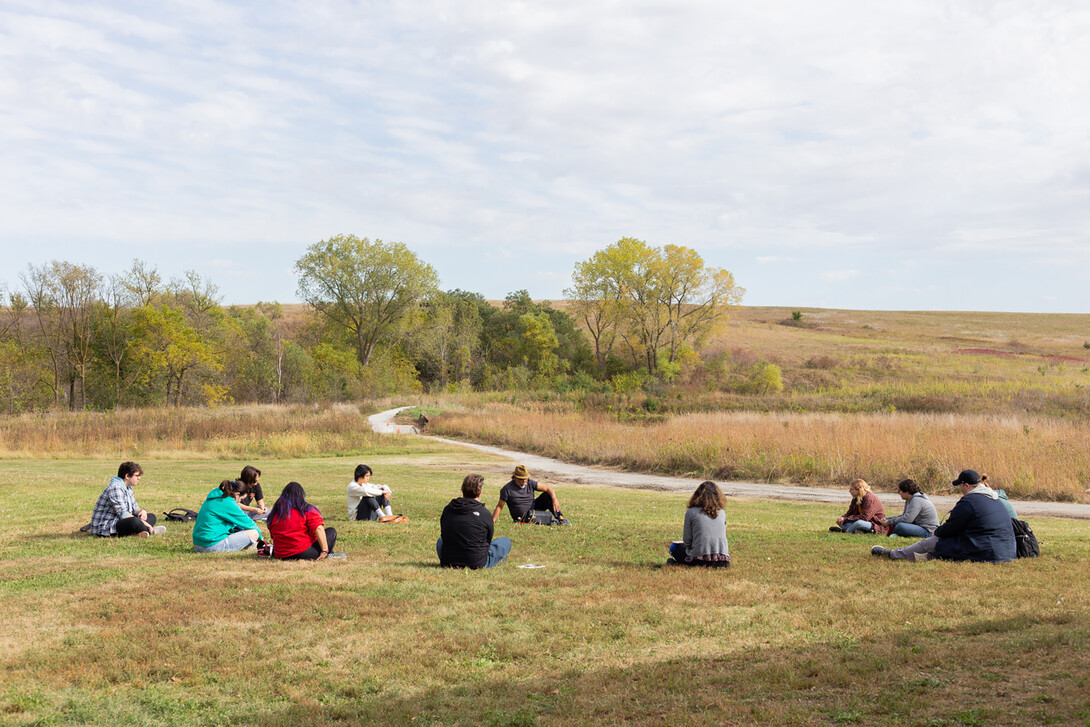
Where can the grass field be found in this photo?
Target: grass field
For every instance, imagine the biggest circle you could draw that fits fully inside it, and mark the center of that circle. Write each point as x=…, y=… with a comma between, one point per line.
x=805, y=628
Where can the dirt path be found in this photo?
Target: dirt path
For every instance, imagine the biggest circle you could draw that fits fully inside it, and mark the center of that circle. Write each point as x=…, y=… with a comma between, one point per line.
x=544, y=468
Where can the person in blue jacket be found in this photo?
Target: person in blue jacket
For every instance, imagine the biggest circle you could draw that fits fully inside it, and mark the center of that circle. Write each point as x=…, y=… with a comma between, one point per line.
x=978, y=529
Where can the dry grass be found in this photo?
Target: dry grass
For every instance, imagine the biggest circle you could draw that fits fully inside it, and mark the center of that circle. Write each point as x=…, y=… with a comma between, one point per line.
x=225, y=432
x=804, y=629
x=1030, y=457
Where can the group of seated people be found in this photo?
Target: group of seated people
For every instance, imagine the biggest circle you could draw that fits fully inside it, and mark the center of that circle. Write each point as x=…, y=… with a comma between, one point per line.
x=980, y=527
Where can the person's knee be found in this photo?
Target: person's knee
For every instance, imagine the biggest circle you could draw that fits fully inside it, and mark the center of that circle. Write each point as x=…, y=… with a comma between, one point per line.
x=255, y=535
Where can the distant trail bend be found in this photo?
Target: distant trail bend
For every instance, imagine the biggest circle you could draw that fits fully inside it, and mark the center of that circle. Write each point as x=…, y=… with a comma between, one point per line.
x=565, y=471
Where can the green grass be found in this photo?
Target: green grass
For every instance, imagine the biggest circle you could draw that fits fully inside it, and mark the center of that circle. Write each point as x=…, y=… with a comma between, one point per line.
x=805, y=628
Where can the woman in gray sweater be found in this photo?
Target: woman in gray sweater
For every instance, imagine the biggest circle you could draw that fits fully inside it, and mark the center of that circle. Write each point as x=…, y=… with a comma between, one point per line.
x=704, y=538
x=919, y=519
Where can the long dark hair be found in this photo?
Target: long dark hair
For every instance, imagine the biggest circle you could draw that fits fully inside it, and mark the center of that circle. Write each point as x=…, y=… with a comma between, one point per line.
x=709, y=498
x=292, y=498
x=230, y=488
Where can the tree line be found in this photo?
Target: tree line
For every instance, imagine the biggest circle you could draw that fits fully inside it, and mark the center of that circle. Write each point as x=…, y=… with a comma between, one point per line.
x=375, y=323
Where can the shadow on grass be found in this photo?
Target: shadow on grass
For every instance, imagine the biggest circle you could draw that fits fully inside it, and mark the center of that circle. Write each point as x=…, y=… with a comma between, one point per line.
x=989, y=672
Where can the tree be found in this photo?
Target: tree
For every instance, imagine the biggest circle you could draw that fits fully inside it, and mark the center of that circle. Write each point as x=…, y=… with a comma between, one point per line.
x=364, y=288
x=650, y=299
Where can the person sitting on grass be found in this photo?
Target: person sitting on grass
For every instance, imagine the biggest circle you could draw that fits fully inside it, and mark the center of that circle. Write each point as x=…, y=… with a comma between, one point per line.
x=466, y=530
x=977, y=529
x=518, y=494
x=221, y=525
x=116, y=513
x=368, y=501
x=704, y=534
x=865, y=513
x=297, y=529
x=251, y=478
x=919, y=519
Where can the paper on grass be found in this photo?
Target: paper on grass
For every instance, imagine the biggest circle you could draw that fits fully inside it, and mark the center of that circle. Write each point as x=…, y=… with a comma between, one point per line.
x=531, y=565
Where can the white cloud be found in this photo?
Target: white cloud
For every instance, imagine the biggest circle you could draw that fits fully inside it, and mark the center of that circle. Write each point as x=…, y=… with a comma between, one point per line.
x=918, y=131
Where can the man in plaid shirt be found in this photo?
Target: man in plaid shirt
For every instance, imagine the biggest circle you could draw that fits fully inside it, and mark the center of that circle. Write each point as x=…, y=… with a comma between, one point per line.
x=116, y=512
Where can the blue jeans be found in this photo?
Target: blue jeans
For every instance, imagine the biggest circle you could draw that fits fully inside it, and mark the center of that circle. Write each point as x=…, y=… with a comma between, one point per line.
x=909, y=530
x=858, y=526
x=498, y=551
x=234, y=541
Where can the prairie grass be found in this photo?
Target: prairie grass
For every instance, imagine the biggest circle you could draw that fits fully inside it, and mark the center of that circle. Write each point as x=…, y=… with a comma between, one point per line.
x=1031, y=457
x=805, y=628
x=215, y=433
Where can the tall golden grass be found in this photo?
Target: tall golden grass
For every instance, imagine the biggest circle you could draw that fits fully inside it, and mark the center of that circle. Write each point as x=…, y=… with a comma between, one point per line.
x=1029, y=457
x=266, y=430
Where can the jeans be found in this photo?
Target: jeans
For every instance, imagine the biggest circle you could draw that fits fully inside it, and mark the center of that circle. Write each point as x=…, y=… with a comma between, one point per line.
x=909, y=530
x=235, y=541
x=498, y=550
x=858, y=526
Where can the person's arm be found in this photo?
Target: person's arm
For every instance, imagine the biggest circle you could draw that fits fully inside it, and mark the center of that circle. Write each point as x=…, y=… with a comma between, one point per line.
x=552, y=494
x=323, y=544
x=687, y=530
x=499, y=508
x=120, y=503
x=491, y=525
x=956, y=521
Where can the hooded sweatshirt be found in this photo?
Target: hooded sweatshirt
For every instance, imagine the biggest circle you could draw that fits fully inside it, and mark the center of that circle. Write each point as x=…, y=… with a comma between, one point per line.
x=466, y=528
x=977, y=529
x=220, y=516
x=919, y=510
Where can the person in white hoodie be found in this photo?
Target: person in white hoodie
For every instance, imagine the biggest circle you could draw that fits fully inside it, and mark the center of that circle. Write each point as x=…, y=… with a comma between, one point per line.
x=366, y=500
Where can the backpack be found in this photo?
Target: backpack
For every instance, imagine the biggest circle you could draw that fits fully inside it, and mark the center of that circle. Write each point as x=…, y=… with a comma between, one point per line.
x=1025, y=541
x=181, y=514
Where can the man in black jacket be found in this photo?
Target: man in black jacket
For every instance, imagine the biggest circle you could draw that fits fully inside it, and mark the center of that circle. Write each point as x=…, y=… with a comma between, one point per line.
x=466, y=530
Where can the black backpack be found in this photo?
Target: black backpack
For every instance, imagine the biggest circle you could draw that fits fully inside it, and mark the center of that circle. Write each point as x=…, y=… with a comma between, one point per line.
x=1025, y=541
x=181, y=514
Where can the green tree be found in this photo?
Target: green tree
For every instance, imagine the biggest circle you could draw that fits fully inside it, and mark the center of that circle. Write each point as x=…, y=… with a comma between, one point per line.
x=650, y=299
x=364, y=288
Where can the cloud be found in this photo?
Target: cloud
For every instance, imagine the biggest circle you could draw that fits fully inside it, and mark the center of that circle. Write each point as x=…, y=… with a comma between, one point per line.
x=839, y=276
x=923, y=130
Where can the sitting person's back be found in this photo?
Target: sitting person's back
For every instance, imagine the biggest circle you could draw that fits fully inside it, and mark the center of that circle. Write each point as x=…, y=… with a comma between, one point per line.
x=977, y=529
x=466, y=531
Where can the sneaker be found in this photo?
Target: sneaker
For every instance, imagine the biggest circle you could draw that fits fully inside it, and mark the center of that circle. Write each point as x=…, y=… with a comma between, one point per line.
x=337, y=556
x=836, y=529
x=86, y=528
x=159, y=530
x=881, y=552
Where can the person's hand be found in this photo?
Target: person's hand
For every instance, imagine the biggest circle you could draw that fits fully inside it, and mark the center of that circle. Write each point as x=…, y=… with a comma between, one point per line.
x=840, y=521
x=142, y=514
x=263, y=510
x=322, y=555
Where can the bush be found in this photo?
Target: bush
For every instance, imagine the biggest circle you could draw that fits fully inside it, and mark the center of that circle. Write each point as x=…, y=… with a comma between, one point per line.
x=766, y=378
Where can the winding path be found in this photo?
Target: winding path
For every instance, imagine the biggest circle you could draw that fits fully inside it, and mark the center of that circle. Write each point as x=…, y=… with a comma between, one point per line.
x=564, y=471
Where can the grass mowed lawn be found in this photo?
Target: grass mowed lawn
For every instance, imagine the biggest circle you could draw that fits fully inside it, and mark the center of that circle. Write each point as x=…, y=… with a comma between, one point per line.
x=804, y=628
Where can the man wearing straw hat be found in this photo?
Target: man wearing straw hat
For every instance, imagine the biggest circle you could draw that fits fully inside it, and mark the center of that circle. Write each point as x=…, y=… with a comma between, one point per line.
x=518, y=495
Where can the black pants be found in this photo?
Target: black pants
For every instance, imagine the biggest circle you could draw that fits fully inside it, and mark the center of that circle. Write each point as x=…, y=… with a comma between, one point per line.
x=134, y=525
x=370, y=508
x=544, y=501
x=314, y=550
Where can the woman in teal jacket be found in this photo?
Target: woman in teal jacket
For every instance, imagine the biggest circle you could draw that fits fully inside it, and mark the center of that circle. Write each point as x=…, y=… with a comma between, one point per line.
x=221, y=525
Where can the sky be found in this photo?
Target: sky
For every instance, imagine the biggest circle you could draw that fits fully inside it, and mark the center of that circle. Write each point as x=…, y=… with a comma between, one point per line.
x=904, y=155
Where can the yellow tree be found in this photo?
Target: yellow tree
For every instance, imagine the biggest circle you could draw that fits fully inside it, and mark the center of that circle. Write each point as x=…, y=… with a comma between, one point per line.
x=653, y=299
